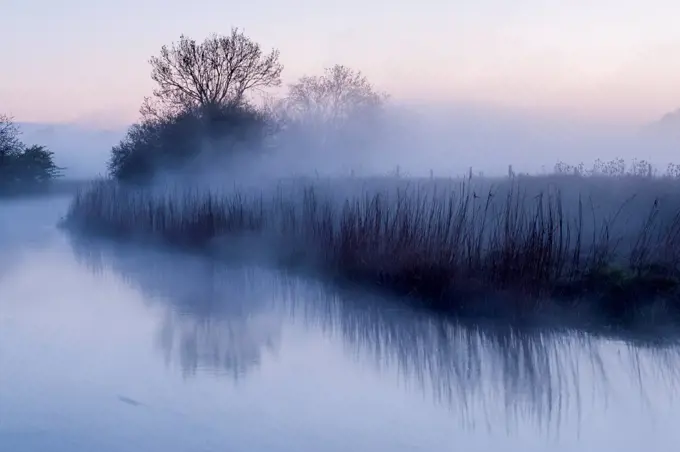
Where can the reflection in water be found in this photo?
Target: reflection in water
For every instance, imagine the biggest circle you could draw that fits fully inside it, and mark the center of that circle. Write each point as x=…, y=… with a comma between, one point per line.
x=485, y=371
x=533, y=375
x=223, y=318
x=214, y=317
x=25, y=225
x=225, y=344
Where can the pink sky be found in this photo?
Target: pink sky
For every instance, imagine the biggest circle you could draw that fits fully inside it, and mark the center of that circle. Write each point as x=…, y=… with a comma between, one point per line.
x=604, y=60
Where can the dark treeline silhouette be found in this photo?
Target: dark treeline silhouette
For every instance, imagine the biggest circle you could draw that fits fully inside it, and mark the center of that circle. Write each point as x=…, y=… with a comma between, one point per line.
x=201, y=111
x=23, y=167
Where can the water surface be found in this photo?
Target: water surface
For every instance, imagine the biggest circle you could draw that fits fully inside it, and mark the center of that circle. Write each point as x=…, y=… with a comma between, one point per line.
x=108, y=347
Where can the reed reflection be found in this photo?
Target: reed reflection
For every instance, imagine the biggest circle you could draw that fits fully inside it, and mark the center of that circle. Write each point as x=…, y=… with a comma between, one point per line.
x=224, y=317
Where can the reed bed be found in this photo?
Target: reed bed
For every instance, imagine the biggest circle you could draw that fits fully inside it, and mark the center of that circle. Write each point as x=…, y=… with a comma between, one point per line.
x=449, y=245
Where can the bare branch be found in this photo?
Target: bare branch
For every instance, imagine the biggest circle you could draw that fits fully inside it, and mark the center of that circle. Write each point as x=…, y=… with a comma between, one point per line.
x=334, y=98
x=219, y=71
x=9, y=136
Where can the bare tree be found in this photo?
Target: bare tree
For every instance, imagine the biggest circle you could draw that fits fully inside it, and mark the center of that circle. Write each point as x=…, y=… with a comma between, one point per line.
x=334, y=98
x=337, y=112
x=218, y=71
x=9, y=137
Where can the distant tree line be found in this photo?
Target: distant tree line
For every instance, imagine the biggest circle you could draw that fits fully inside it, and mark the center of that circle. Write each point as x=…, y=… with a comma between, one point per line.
x=22, y=166
x=201, y=110
x=618, y=167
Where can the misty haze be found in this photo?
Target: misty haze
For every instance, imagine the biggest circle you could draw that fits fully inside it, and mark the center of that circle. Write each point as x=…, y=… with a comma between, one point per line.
x=218, y=232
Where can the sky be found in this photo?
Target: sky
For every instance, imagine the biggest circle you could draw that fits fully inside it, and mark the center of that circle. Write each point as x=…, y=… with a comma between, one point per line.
x=601, y=60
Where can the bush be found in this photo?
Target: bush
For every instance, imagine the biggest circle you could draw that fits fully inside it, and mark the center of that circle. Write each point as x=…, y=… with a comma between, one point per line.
x=186, y=140
x=23, y=167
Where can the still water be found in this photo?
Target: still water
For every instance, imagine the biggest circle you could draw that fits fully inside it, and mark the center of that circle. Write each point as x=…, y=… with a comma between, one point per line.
x=105, y=347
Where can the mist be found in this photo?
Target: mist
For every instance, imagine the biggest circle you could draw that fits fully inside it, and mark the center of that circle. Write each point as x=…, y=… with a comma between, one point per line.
x=424, y=140
x=80, y=148
x=447, y=139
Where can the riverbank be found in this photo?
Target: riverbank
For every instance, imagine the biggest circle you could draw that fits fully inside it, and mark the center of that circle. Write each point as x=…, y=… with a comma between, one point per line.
x=518, y=247
x=56, y=187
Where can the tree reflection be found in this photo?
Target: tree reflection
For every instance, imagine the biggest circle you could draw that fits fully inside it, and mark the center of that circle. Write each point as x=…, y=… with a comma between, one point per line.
x=213, y=316
x=26, y=225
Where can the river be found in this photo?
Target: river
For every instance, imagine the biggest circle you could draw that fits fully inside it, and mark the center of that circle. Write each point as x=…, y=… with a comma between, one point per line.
x=110, y=347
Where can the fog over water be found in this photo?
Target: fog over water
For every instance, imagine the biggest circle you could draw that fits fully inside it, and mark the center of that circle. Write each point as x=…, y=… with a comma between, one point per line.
x=105, y=345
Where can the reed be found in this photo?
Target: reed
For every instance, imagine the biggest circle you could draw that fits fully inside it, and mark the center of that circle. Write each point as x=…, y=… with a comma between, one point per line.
x=447, y=244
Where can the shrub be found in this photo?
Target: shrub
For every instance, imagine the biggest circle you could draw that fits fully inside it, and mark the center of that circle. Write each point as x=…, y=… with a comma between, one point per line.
x=200, y=136
x=23, y=167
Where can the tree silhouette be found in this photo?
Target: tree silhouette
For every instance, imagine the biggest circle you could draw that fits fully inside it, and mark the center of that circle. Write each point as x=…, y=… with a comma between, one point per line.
x=334, y=98
x=337, y=110
x=199, y=110
x=9, y=138
x=221, y=70
x=21, y=166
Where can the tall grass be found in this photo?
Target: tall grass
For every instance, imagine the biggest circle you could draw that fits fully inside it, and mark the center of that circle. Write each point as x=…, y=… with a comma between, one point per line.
x=445, y=243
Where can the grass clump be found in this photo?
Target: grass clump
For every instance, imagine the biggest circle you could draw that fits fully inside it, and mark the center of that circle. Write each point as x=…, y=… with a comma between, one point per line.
x=446, y=243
